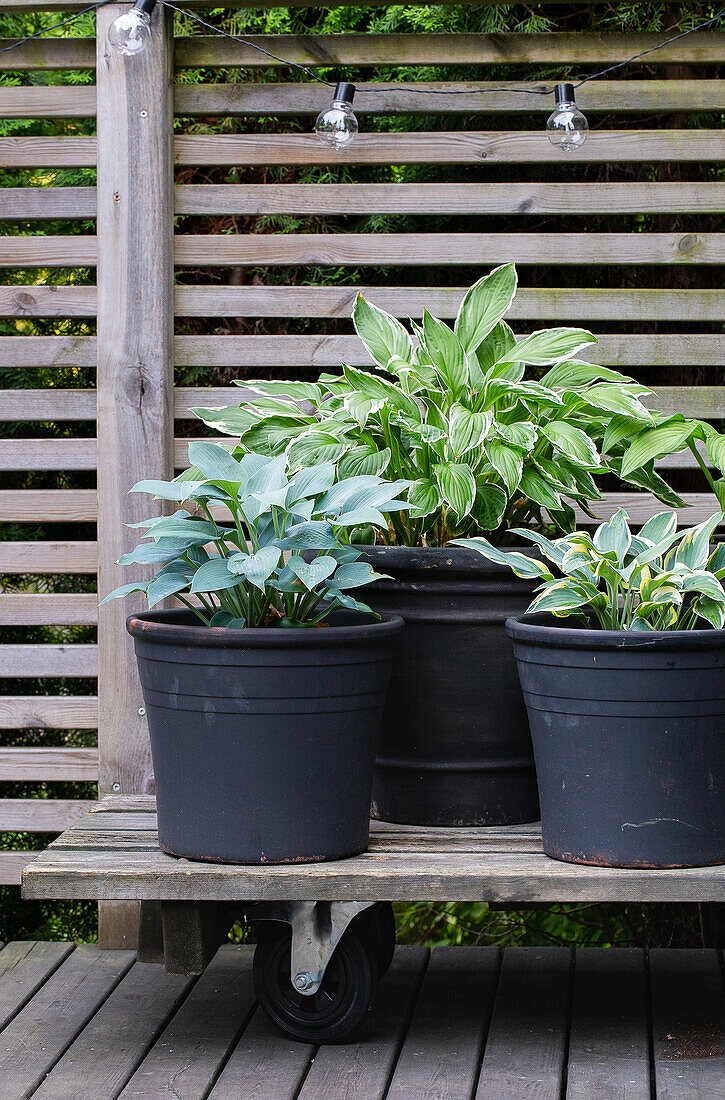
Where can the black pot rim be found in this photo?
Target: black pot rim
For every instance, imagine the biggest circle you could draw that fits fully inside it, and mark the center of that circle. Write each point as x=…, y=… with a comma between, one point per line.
x=176, y=627
x=537, y=629
x=450, y=560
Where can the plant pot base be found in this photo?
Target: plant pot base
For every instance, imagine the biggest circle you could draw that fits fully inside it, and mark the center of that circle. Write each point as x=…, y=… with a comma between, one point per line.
x=195, y=858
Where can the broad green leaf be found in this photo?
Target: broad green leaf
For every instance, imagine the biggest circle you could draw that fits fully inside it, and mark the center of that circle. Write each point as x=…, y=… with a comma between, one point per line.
x=496, y=346
x=554, y=551
x=666, y=439
x=364, y=459
x=467, y=430
x=424, y=497
x=614, y=536
x=311, y=535
x=312, y=573
x=716, y=450
x=257, y=567
x=167, y=490
x=190, y=531
x=711, y=612
x=659, y=527
x=355, y=574
x=457, y=485
x=215, y=461
x=446, y=353
x=536, y=488
x=566, y=595
x=507, y=462
x=618, y=430
x=571, y=441
x=381, y=334
x=693, y=548
x=484, y=305
x=311, y=482
x=489, y=506
x=151, y=553
x=704, y=583
x=125, y=590
x=313, y=447
x=164, y=585
x=618, y=400
x=520, y=564
x=547, y=345
x=571, y=374
x=226, y=619
x=214, y=576
x=230, y=420
x=284, y=389
x=523, y=434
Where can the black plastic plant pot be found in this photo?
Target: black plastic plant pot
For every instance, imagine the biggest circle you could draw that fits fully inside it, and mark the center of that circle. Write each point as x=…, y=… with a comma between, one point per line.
x=263, y=740
x=629, y=740
x=455, y=747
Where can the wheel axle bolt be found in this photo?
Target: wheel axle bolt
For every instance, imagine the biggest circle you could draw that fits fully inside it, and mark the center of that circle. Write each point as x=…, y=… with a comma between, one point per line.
x=303, y=981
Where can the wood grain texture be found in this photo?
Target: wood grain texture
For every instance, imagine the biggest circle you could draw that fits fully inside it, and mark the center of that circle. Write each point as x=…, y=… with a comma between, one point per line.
x=530, y=302
x=23, y=969
x=609, y=1041
x=48, y=102
x=48, y=660
x=449, y=198
x=12, y=864
x=484, y=97
x=189, y=1054
x=35, y=1039
x=40, y=815
x=265, y=1065
x=526, y=1042
x=78, y=765
x=138, y=1008
x=63, y=712
x=135, y=324
x=54, y=53
x=55, y=609
x=445, y=147
x=61, y=506
x=48, y=301
x=113, y=853
x=48, y=202
x=47, y=351
x=48, y=404
x=48, y=557
x=48, y=454
x=688, y=1024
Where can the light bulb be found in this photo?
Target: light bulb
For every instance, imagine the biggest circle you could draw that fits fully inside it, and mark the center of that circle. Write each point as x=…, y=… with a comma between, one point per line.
x=566, y=126
x=337, y=126
x=129, y=33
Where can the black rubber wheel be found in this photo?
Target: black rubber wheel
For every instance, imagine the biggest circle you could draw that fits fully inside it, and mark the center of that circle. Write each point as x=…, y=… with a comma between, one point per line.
x=378, y=929
x=343, y=1001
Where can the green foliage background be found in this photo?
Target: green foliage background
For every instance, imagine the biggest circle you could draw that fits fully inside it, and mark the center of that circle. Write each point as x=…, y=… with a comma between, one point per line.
x=417, y=923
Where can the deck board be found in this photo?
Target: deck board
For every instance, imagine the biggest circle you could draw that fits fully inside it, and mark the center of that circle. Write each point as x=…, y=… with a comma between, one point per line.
x=112, y=854
x=454, y=1024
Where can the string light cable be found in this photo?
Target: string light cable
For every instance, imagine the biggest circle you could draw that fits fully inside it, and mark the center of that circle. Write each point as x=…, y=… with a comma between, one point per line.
x=337, y=126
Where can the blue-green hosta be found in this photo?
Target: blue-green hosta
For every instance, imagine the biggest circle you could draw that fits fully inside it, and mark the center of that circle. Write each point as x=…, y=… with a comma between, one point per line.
x=658, y=579
x=248, y=569
x=483, y=443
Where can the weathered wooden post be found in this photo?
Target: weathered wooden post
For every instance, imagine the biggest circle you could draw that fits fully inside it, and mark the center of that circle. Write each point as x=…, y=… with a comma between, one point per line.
x=135, y=378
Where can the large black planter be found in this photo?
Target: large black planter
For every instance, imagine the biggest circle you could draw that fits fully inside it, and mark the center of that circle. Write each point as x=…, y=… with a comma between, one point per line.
x=455, y=747
x=629, y=739
x=263, y=741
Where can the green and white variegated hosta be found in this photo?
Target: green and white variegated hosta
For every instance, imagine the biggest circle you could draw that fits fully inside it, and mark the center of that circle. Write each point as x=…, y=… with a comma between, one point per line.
x=250, y=568
x=658, y=579
x=484, y=445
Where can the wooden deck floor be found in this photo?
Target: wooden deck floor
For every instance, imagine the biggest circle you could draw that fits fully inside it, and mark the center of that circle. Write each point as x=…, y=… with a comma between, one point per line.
x=454, y=1024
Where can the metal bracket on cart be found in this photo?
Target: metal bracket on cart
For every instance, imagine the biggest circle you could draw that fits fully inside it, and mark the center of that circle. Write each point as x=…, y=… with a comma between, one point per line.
x=317, y=928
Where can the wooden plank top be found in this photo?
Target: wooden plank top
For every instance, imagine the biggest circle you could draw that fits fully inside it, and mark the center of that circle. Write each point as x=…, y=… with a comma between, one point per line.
x=112, y=854
x=447, y=1024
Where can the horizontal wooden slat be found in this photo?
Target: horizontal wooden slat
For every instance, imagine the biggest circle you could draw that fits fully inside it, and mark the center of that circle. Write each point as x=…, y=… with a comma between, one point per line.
x=48, y=557
x=48, y=202
x=48, y=660
x=483, y=97
x=53, y=101
x=450, y=198
x=48, y=404
x=47, y=351
x=389, y=249
x=466, y=147
x=48, y=454
x=394, y=249
x=331, y=351
x=65, y=712
x=51, y=764
x=42, y=609
x=561, y=304
x=337, y=301
x=373, y=49
x=12, y=864
x=704, y=402
x=706, y=47
x=40, y=815
x=52, y=505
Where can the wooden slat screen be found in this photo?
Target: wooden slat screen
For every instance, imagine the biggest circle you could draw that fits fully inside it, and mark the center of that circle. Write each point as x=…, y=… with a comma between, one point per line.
x=623, y=237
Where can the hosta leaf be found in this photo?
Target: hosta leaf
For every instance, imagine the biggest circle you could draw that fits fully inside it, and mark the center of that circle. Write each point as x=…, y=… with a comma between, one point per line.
x=164, y=585
x=312, y=481
x=467, y=429
x=312, y=573
x=618, y=430
x=315, y=446
x=125, y=590
x=665, y=439
x=571, y=374
x=694, y=546
x=489, y=506
x=716, y=450
x=382, y=335
x=230, y=420
x=226, y=619
x=446, y=353
x=312, y=535
x=364, y=459
x=424, y=497
x=536, y=488
x=457, y=485
x=704, y=583
x=484, y=305
x=572, y=441
x=257, y=567
x=495, y=347
x=614, y=536
x=618, y=400
x=547, y=345
x=711, y=612
x=167, y=490
x=355, y=574
x=285, y=389
x=152, y=553
x=520, y=564
x=523, y=434
x=566, y=595
x=214, y=576
x=214, y=461
x=507, y=462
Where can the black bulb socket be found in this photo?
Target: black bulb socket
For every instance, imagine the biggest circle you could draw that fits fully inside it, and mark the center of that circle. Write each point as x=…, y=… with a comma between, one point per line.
x=146, y=6
x=564, y=93
x=344, y=92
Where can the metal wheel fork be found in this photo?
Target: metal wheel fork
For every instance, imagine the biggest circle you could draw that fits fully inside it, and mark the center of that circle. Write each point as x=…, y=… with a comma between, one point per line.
x=317, y=928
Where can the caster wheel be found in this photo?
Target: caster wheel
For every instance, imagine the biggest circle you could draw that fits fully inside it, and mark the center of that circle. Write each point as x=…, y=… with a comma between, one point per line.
x=377, y=927
x=341, y=1004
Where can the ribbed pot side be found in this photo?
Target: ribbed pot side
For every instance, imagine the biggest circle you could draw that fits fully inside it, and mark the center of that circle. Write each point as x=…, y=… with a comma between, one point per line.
x=263, y=741
x=629, y=742
x=455, y=746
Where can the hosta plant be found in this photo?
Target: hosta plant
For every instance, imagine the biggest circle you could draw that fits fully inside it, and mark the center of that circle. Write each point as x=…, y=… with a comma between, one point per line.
x=465, y=415
x=248, y=569
x=658, y=579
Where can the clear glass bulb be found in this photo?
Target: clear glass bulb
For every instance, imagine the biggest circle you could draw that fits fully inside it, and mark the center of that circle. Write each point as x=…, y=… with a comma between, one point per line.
x=337, y=126
x=130, y=33
x=566, y=126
